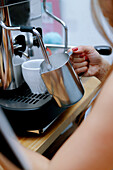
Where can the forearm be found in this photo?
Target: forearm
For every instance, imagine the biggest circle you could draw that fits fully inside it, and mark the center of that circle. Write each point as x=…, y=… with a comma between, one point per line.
x=90, y=147
x=37, y=161
x=6, y=164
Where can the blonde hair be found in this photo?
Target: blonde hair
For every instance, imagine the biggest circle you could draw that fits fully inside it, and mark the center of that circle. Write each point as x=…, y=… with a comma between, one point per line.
x=102, y=14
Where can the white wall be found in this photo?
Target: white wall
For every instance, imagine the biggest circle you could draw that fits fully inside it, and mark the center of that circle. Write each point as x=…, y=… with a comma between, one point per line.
x=81, y=29
x=77, y=15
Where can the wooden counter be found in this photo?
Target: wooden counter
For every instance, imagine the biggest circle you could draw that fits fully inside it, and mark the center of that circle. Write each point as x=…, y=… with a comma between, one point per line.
x=41, y=142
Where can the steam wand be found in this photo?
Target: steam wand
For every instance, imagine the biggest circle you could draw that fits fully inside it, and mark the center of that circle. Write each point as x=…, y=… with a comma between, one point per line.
x=60, y=21
x=34, y=31
x=49, y=66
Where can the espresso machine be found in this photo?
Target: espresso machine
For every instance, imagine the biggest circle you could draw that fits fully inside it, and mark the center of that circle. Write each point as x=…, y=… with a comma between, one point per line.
x=25, y=110
x=20, y=105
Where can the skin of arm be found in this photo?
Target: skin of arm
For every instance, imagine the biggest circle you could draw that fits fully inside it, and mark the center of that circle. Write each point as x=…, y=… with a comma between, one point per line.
x=86, y=60
x=36, y=161
x=6, y=164
x=91, y=146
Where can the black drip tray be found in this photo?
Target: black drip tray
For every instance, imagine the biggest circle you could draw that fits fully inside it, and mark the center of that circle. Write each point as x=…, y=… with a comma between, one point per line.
x=23, y=99
x=28, y=111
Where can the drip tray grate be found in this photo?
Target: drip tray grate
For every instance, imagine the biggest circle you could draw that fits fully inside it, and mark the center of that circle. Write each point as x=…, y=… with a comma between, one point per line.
x=29, y=98
x=23, y=99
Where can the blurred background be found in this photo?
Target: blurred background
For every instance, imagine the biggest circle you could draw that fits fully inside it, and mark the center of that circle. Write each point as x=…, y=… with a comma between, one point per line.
x=77, y=15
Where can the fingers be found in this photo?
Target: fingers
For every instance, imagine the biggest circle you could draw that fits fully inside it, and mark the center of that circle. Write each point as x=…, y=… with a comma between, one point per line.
x=73, y=49
x=77, y=59
x=81, y=70
x=79, y=65
x=82, y=49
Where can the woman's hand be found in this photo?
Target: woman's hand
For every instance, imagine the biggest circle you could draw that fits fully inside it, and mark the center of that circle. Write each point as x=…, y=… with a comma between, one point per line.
x=87, y=61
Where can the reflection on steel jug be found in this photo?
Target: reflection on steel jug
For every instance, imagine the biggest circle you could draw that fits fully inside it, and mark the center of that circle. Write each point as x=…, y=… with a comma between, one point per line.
x=62, y=82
